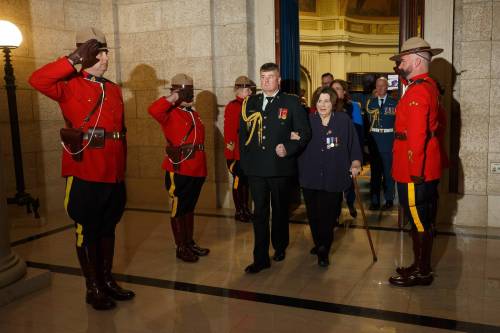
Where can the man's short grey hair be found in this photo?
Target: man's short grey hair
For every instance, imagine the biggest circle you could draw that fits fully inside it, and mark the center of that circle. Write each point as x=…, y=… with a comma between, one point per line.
x=383, y=78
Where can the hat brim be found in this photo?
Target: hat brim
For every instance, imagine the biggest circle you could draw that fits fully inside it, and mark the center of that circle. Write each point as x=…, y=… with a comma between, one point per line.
x=433, y=53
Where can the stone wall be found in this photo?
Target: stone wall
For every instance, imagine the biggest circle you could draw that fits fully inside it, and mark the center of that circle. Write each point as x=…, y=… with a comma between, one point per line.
x=214, y=41
x=476, y=61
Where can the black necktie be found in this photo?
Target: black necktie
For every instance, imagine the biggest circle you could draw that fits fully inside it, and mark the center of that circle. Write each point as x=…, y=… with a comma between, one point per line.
x=381, y=102
x=269, y=101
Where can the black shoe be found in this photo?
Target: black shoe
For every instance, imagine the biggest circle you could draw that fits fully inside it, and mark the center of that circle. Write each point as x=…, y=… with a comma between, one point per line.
x=414, y=279
x=388, y=205
x=374, y=206
x=323, y=253
x=255, y=268
x=314, y=251
x=352, y=211
x=323, y=262
x=279, y=256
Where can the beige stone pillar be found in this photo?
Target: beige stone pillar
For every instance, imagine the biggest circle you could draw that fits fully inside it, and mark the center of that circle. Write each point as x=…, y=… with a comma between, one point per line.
x=12, y=268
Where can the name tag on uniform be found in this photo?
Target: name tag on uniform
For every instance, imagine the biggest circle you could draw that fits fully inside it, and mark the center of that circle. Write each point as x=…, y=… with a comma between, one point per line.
x=283, y=113
x=332, y=142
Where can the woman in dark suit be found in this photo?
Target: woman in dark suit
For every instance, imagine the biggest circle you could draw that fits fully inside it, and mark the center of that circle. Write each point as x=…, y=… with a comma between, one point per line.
x=325, y=168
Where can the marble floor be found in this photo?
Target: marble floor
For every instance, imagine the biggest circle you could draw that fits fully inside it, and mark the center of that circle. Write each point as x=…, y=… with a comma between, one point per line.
x=296, y=295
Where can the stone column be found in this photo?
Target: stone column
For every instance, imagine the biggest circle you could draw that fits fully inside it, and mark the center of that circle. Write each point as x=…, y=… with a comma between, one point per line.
x=12, y=268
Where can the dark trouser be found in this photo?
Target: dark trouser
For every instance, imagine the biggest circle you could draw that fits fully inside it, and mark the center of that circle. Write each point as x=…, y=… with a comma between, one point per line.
x=381, y=166
x=322, y=208
x=184, y=192
x=420, y=203
x=263, y=190
x=95, y=208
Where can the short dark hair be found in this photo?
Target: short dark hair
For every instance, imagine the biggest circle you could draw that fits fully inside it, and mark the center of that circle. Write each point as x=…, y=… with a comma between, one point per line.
x=269, y=67
x=327, y=74
x=330, y=91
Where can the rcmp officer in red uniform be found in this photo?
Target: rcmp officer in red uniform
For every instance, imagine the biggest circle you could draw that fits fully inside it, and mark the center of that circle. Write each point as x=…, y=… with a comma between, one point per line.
x=417, y=156
x=243, y=87
x=268, y=158
x=185, y=161
x=93, y=160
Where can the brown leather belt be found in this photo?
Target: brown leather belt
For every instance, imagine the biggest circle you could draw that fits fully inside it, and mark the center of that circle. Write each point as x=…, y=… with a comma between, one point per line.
x=199, y=147
x=402, y=135
x=107, y=135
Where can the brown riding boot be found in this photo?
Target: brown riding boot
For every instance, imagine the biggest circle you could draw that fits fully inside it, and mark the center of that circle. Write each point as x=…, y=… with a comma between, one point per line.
x=106, y=254
x=416, y=249
x=183, y=252
x=410, y=279
x=425, y=276
x=189, y=222
x=96, y=295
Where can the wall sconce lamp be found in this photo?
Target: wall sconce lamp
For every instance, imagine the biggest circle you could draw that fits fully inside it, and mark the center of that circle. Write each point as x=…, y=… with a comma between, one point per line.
x=11, y=38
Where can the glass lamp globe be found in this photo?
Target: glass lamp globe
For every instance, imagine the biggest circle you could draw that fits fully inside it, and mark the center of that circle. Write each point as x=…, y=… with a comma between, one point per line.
x=10, y=35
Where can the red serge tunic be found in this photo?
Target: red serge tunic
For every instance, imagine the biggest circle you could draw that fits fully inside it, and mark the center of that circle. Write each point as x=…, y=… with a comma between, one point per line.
x=417, y=116
x=77, y=96
x=232, y=115
x=175, y=123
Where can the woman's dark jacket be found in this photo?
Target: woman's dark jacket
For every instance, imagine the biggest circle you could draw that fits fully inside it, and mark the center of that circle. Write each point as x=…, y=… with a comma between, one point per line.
x=322, y=168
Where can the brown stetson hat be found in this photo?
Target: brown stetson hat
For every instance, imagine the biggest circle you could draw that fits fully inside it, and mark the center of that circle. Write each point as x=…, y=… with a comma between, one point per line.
x=244, y=82
x=181, y=81
x=87, y=34
x=415, y=45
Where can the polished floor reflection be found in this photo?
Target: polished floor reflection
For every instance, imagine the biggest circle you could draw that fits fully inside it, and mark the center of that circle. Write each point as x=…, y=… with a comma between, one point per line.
x=214, y=295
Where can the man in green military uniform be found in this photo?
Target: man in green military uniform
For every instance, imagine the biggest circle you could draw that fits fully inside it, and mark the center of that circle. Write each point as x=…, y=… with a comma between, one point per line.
x=268, y=158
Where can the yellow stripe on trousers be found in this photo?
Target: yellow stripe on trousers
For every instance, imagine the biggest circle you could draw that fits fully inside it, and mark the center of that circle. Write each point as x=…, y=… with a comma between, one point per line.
x=79, y=235
x=236, y=182
x=413, y=208
x=171, y=193
x=69, y=182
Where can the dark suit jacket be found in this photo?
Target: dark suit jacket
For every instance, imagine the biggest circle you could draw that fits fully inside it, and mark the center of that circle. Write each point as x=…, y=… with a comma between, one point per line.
x=283, y=115
x=327, y=168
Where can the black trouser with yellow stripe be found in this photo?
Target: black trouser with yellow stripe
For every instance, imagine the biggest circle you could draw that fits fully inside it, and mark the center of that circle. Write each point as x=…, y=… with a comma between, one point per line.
x=95, y=207
x=184, y=192
x=420, y=203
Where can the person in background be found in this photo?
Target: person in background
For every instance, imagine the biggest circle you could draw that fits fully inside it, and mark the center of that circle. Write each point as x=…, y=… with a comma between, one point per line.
x=326, y=166
x=381, y=114
x=243, y=87
x=353, y=110
x=185, y=161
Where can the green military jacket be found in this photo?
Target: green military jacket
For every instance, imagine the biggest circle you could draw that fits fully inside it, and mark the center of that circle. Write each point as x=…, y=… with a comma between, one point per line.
x=258, y=149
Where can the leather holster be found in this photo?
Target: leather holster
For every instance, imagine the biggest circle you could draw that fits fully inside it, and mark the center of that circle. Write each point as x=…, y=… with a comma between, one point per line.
x=73, y=140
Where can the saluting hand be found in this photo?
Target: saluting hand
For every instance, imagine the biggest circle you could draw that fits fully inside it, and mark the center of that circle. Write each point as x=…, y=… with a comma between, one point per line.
x=173, y=97
x=281, y=150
